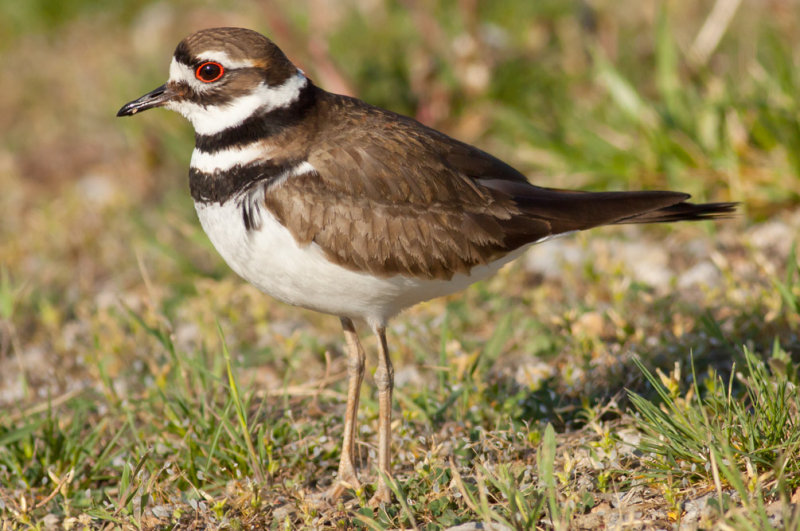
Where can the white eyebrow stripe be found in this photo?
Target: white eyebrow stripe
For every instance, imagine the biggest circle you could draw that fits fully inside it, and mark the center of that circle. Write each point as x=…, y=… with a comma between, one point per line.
x=226, y=159
x=180, y=72
x=218, y=56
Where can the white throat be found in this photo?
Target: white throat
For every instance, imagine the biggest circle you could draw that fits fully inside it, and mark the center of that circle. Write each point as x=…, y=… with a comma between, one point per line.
x=211, y=119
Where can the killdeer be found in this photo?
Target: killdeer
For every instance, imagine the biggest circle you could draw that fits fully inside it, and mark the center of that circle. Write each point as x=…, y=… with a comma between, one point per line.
x=326, y=202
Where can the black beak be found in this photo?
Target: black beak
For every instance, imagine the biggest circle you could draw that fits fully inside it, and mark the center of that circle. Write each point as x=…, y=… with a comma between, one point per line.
x=154, y=98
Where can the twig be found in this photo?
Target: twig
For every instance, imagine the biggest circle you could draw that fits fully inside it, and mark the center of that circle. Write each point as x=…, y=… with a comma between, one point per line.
x=66, y=479
x=314, y=388
x=712, y=31
x=45, y=405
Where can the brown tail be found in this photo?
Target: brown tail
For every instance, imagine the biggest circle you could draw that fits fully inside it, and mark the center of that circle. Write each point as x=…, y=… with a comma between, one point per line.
x=547, y=211
x=684, y=211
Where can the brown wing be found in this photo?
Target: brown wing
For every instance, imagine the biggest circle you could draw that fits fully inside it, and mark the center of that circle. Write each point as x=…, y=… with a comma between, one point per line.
x=390, y=196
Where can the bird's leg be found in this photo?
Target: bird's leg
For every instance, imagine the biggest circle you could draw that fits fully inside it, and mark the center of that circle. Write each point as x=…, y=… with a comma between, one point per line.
x=347, y=477
x=384, y=380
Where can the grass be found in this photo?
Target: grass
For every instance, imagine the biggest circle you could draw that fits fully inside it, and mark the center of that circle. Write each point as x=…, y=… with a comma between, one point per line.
x=745, y=445
x=143, y=386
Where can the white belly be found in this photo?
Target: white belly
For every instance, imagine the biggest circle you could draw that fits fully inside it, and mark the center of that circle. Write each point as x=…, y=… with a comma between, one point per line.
x=271, y=259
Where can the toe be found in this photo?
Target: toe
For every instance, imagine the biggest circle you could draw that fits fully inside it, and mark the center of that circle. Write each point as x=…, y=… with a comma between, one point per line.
x=382, y=495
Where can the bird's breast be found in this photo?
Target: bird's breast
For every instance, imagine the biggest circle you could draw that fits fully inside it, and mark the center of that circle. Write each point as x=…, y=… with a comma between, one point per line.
x=269, y=258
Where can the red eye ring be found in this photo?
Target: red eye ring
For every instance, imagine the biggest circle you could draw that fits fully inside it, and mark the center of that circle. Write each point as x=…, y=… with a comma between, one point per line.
x=209, y=72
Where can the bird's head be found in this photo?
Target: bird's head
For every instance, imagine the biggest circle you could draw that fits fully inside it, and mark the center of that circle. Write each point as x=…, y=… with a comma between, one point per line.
x=220, y=76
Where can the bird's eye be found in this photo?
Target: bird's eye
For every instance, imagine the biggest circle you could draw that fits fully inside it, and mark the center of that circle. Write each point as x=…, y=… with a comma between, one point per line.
x=209, y=72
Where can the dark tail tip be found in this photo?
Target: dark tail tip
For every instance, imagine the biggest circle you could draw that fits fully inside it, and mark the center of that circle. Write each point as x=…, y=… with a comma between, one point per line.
x=685, y=212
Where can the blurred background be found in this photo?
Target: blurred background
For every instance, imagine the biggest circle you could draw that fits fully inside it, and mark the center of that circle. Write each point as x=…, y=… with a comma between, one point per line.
x=110, y=291
x=608, y=93
x=695, y=96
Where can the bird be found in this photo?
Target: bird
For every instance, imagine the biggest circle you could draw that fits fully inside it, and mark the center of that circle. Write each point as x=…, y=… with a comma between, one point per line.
x=326, y=202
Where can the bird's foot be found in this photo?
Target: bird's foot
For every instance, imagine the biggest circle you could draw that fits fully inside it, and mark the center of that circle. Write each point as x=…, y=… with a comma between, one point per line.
x=342, y=484
x=381, y=496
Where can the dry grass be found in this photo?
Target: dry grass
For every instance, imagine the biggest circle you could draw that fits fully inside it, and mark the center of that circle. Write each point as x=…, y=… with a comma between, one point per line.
x=115, y=409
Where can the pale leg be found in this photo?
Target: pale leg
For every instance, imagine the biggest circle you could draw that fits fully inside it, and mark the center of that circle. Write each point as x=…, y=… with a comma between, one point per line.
x=384, y=380
x=355, y=370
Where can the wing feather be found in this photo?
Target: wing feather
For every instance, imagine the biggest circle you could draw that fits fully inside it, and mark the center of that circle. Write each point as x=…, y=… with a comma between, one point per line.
x=390, y=196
